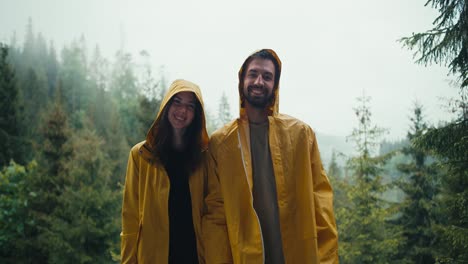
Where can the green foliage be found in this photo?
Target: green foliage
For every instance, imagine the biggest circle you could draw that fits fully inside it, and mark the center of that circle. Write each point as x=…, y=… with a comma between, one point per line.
x=17, y=223
x=365, y=233
x=146, y=114
x=419, y=184
x=450, y=144
x=124, y=82
x=124, y=90
x=34, y=94
x=339, y=184
x=55, y=132
x=9, y=127
x=73, y=76
x=85, y=223
x=447, y=42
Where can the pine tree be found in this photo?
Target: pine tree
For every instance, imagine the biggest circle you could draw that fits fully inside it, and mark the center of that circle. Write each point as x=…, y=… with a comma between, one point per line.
x=124, y=90
x=117, y=147
x=43, y=188
x=147, y=110
x=334, y=170
x=211, y=121
x=74, y=77
x=29, y=44
x=55, y=131
x=34, y=89
x=450, y=145
x=84, y=226
x=51, y=69
x=16, y=220
x=417, y=209
x=447, y=43
x=338, y=182
x=10, y=147
x=123, y=79
x=149, y=99
x=224, y=111
x=365, y=234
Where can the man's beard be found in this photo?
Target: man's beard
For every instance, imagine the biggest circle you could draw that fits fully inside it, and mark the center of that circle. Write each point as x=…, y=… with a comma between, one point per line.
x=258, y=101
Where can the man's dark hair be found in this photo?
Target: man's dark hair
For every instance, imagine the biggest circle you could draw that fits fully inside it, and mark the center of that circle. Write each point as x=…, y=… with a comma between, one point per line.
x=266, y=55
x=192, y=138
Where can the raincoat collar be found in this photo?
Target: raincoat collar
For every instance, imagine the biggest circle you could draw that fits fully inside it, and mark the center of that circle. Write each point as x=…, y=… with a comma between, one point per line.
x=273, y=108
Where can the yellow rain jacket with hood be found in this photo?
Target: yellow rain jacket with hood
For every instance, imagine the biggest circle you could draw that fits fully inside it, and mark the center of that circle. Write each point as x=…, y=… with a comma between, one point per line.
x=231, y=227
x=145, y=217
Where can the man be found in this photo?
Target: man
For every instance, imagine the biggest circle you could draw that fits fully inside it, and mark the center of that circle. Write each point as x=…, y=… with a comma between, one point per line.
x=269, y=200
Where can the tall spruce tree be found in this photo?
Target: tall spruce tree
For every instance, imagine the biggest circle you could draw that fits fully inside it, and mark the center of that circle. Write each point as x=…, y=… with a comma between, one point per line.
x=447, y=44
x=49, y=181
x=84, y=226
x=51, y=69
x=450, y=145
x=18, y=226
x=340, y=186
x=365, y=234
x=224, y=111
x=34, y=89
x=124, y=89
x=10, y=147
x=417, y=209
x=149, y=98
x=74, y=77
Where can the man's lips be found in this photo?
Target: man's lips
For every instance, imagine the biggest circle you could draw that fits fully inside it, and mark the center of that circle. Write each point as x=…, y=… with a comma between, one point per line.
x=256, y=90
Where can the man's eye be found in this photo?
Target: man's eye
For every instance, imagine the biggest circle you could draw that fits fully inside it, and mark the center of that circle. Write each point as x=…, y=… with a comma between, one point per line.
x=267, y=78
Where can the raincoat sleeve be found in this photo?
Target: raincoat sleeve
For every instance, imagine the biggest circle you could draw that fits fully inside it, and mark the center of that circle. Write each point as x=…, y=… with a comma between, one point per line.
x=215, y=233
x=130, y=215
x=327, y=235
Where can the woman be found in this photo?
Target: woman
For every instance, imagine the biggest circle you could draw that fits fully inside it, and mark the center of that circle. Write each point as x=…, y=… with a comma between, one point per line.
x=163, y=195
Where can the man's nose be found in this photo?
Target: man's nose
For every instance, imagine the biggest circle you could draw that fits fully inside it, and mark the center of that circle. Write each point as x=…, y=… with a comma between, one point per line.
x=259, y=80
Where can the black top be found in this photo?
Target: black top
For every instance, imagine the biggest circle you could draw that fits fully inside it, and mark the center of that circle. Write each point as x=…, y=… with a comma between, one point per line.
x=182, y=241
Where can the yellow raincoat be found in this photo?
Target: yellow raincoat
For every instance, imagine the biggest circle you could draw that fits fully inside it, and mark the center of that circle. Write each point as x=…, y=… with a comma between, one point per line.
x=145, y=217
x=231, y=227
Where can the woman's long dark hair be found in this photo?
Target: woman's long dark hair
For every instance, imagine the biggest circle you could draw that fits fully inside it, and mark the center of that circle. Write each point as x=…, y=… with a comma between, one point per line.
x=192, y=139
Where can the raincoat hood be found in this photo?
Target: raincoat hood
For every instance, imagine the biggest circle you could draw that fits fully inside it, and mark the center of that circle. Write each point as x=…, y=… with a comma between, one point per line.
x=273, y=108
x=176, y=87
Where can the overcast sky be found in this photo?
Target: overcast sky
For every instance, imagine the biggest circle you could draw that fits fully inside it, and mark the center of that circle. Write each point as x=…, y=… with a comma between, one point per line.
x=332, y=51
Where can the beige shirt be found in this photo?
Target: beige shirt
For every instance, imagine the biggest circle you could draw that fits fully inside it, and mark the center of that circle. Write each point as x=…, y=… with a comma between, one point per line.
x=264, y=193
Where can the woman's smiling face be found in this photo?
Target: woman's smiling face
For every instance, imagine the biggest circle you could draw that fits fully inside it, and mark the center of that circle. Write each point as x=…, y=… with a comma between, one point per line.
x=182, y=110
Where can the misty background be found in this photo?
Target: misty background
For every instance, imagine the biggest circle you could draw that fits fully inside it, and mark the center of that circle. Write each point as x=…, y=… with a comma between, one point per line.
x=332, y=51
